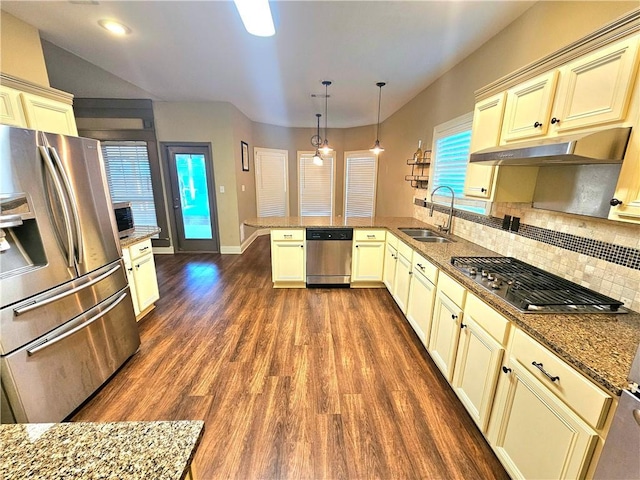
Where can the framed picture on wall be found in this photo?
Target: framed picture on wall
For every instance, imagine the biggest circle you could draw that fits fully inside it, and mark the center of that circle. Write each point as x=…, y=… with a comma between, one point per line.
x=245, y=156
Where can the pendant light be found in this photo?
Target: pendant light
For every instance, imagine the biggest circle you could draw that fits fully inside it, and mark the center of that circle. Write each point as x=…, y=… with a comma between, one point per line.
x=376, y=146
x=326, y=149
x=316, y=140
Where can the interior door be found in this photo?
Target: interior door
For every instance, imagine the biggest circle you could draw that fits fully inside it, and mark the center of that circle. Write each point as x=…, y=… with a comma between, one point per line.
x=194, y=218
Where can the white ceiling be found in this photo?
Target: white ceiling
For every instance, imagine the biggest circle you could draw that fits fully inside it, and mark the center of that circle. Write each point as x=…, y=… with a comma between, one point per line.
x=199, y=50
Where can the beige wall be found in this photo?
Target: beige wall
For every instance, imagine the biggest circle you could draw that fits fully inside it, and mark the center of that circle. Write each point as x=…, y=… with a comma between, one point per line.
x=22, y=55
x=543, y=29
x=245, y=183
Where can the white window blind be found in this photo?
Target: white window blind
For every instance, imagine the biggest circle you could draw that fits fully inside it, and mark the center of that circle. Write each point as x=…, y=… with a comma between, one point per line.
x=271, y=183
x=360, y=184
x=129, y=178
x=315, y=186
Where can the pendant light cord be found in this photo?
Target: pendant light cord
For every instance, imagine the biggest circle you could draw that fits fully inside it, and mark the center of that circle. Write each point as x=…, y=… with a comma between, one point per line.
x=380, y=85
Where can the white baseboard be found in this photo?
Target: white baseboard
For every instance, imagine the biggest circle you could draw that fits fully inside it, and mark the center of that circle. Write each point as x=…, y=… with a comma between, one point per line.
x=163, y=251
x=230, y=250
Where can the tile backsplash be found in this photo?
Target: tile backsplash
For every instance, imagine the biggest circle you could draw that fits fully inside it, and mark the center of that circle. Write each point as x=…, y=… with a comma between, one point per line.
x=598, y=254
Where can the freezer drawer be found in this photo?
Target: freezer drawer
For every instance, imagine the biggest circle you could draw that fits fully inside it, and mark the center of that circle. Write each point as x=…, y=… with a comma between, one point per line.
x=47, y=379
x=24, y=321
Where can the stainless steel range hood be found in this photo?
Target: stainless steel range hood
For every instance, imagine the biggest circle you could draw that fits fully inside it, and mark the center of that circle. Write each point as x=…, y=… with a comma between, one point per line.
x=604, y=146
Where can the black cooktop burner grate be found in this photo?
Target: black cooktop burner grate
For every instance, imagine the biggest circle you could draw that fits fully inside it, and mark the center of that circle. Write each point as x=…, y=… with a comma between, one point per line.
x=532, y=289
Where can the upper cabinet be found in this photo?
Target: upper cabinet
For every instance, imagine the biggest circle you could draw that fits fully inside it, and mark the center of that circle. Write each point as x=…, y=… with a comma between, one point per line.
x=27, y=105
x=528, y=107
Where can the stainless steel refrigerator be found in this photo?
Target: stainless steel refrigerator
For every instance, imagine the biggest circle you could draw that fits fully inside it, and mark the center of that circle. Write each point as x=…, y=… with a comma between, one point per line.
x=66, y=319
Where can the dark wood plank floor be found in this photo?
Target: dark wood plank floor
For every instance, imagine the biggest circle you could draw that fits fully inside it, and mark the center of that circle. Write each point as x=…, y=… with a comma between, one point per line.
x=316, y=384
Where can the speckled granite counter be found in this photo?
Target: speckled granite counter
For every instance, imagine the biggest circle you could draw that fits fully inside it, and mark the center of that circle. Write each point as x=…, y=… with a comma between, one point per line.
x=140, y=233
x=601, y=346
x=131, y=450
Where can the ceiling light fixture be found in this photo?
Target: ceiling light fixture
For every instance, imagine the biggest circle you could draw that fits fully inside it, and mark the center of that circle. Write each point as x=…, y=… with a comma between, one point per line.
x=326, y=149
x=376, y=146
x=316, y=141
x=256, y=17
x=114, y=27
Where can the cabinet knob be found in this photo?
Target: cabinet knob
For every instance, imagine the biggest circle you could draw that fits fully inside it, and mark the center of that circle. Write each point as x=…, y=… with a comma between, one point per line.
x=506, y=370
x=483, y=190
x=614, y=202
x=454, y=316
x=357, y=246
x=555, y=120
x=462, y=325
x=537, y=125
x=301, y=246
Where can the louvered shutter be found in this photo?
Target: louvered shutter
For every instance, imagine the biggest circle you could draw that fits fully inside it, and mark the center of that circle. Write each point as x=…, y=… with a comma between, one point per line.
x=271, y=183
x=129, y=178
x=315, y=186
x=360, y=185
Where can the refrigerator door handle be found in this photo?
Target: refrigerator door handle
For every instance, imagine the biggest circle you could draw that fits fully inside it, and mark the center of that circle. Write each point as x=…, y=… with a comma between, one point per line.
x=55, y=298
x=65, y=209
x=51, y=341
x=72, y=198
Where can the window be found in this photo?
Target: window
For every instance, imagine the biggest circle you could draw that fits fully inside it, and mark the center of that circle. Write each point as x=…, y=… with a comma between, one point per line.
x=450, y=156
x=315, y=185
x=272, y=198
x=129, y=178
x=361, y=170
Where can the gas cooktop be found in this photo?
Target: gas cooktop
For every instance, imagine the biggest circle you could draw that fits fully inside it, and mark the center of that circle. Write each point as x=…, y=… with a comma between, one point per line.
x=532, y=290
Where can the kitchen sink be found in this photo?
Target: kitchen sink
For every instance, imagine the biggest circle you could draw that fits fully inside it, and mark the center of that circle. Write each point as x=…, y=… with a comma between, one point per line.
x=424, y=235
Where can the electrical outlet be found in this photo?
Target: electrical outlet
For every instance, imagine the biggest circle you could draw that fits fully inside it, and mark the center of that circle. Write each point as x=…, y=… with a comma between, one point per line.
x=506, y=222
x=515, y=224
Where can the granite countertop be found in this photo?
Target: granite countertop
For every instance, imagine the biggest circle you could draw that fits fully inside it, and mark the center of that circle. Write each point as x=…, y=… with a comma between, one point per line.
x=139, y=234
x=601, y=346
x=131, y=450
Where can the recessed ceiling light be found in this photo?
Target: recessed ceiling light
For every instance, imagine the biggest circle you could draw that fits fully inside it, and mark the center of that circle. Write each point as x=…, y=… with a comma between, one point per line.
x=256, y=16
x=115, y=27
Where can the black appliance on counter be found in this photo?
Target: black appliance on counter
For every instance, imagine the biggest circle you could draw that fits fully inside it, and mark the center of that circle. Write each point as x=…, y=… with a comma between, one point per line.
x=532, y=290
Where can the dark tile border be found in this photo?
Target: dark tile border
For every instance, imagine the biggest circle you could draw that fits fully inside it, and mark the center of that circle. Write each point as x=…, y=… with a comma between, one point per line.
x=625, y=256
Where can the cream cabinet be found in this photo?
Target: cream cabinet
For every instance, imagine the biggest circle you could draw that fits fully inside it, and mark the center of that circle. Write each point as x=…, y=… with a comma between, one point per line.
x=402, y=276
x=390, y=259
x=595, y=89
x=422, y=293
x=367, y=257
x=528, y=108
x=445, y=326
x=483, y=336
x=288, y=258
x=141, y=273
x=27, y=105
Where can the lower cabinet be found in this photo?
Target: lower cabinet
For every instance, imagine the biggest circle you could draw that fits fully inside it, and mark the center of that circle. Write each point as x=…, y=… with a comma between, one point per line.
x=141, y=273
x=422, y=294
x=367, y=262
x=288, y=260
x=390, y=259
x=402, y=276
x=536, y=435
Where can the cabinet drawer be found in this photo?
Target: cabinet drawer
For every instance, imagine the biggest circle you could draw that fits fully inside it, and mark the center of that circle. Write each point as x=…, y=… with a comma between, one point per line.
x=491, y=321
x=405, y=250
x=425, y=267
x=452, y=289
x=369, y=235
x=297, y=235
x=138, y=249
x=579, y=393
x=392, y=240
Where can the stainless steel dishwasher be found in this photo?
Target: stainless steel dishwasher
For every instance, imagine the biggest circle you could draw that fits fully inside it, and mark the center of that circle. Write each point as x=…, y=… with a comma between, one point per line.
x=329, y=257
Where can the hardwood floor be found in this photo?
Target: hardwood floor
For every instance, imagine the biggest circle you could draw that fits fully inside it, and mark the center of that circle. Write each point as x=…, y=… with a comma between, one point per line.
x=316, y=384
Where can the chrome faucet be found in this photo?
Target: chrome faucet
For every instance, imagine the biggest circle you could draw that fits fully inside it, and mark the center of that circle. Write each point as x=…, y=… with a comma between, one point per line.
x=447, y=227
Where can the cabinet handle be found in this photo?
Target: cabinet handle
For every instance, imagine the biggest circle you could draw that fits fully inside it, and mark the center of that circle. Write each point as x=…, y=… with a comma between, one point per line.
x=371, y=236
x=614, y=202
x=555, y=120
x=462, y=325
x=288, y=236
x=144, y=248
x=454, y=316
x=420, y=266
x=506, y=369
x=537, y=124
x=547, y=374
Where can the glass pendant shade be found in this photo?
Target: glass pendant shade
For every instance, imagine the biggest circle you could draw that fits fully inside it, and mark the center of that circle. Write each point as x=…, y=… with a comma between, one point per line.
x=376, y=148
x=317, y=159
x=326, y=149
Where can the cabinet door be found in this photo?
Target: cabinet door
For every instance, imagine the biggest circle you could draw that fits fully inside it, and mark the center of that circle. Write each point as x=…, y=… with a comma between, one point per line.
x=401, y=282
x=628, y=188
x=478, y=363
x=536, y=435
x=144, y=276
x=596, y=88
x=368, y=262
x=48, y=115
x=11, y=112
x=287, y=261
x=528, y=108
x=128, y=267
x=422, y=294
x=445, y=330
x=389, y=273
